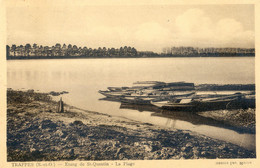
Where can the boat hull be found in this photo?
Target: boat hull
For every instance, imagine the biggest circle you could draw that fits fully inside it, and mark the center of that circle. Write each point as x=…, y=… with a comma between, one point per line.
x=197, y=106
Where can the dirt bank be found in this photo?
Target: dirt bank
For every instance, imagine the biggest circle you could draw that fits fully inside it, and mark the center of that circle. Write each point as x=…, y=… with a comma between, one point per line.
x=35, y=131
x=240, y=118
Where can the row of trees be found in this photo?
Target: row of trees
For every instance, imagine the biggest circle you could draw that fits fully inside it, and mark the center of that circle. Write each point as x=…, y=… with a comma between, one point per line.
x=72, y=51
x=187, y=51
x=35, y=50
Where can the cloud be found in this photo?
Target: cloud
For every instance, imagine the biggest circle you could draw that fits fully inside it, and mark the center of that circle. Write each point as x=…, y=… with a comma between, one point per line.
x=192, y=22
x=151, y=31
x=191, y=28
x=152, y=36
x=194, y=26
x=231, y=32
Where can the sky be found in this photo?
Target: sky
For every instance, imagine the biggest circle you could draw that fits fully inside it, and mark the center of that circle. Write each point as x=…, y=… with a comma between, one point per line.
x=145, y=27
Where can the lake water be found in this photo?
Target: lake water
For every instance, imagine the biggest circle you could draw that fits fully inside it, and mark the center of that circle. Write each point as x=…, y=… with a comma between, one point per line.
x=83, y=78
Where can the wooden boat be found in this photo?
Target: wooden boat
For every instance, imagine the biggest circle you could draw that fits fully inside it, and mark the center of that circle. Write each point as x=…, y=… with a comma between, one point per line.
x=136, y=100
x=147, y=84
x=117, y=89
x=247, y=101
x=159, y=103
x=201, y=104
x=214, y=104
x=160, y=95
x=180, y=96
x=175, y=104
x=113, y=94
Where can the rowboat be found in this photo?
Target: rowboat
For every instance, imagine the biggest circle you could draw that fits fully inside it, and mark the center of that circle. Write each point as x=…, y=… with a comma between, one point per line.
x=174, y=104
x=117, y=89
x=199, y=104
x=143, y=94
x=214, y=104
x=136, y=100
x=113, y=94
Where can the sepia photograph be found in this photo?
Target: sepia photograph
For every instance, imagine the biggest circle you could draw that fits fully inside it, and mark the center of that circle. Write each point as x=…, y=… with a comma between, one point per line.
x=117, y=83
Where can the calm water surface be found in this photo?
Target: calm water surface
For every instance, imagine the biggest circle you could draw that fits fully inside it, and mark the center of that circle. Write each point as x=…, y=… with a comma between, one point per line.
x=84, y=77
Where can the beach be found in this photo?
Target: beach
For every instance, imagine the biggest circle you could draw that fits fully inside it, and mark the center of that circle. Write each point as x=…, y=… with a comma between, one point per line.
x=37, y=132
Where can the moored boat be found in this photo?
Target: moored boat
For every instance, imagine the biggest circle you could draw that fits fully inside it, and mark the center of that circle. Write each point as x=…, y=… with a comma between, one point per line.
x=117, y=89
x=201, y=104
x=174, y=104
x=136, y=100
x=113, y=94
x=180, y=96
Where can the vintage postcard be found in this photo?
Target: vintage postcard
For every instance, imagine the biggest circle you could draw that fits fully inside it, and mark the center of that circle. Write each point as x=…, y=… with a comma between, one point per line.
x=125, y=83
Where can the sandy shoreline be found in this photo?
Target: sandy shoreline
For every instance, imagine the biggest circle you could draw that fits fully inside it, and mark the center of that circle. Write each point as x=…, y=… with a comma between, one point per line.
x=35, y=132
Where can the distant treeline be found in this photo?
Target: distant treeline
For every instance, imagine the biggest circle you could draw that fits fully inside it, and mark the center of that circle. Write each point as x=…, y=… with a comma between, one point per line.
x=35, y=51
x=58, y=51
x=195, y=51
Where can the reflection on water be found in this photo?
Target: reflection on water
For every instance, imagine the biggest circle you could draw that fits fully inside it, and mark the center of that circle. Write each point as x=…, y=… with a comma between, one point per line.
x=190, y=117
x=194, y=122
x=83, y=78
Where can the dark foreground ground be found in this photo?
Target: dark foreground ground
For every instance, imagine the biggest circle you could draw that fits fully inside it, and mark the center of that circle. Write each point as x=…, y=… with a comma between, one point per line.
x=36, y=132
